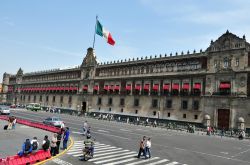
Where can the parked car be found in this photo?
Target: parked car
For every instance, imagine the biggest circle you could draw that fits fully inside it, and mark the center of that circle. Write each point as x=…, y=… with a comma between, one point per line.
x=13, y=106
x=34, y=107
x=4, y=110
x=55, y=121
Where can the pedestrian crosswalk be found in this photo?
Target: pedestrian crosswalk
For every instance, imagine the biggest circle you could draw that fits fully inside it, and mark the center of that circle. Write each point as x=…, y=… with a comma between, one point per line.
x=111, y=155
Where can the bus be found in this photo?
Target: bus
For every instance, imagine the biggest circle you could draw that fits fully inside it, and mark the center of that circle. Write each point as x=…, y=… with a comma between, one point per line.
x=34, y=107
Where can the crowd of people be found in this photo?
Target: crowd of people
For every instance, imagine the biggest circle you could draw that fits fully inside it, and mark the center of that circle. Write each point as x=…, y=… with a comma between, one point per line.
x=31, y=146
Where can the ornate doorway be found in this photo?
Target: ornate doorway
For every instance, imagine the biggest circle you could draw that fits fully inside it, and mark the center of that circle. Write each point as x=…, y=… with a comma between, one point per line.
x=223, y=118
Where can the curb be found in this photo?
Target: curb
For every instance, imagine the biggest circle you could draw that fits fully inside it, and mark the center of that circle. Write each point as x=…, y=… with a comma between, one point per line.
x=53, y=157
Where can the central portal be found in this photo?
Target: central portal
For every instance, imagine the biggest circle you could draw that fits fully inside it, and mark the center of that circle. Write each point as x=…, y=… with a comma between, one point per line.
x=84, y=106
x=223, y=118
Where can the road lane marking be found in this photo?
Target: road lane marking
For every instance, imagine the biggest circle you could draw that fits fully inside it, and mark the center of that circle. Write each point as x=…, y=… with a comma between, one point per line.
x=172, y=163
x=100, y=130
x=113, y=155
x=122, y=161
x=143, y=161
x=159, y=162
x=240, y=153
x=61, y=162
x=126, y=130
x=109, y=160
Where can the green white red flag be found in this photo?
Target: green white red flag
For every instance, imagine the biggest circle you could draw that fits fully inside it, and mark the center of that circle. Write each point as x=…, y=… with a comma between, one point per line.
x=100, y=30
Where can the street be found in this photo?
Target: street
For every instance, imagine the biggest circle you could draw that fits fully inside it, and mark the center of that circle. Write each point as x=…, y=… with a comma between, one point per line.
x=168, y=147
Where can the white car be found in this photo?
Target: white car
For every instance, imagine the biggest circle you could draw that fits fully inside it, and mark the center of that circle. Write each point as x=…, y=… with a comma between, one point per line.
x=4, y=110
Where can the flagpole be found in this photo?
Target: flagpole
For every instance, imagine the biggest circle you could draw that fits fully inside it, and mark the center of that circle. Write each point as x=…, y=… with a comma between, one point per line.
x=95, y=32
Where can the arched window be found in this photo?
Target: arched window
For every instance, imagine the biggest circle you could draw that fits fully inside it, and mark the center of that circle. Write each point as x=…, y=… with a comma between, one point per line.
x=226, y=61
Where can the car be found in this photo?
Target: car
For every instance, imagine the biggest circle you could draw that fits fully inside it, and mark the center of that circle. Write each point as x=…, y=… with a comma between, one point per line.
x=13, y=106
x=54, y=121
x=4, y=110
x=34, y=107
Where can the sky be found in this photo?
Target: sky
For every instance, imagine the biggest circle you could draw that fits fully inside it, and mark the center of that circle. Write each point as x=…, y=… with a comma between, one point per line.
x=49, y=34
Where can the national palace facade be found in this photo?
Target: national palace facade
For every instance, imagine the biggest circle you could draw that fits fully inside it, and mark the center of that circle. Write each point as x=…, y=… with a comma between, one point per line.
x=210, y=87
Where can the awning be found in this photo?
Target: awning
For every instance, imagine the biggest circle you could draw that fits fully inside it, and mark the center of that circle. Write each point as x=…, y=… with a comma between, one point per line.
x=96, y=87
x=106, y=87
x=197, y=86
x=185, y=86
x=175, y=87
x=85, y=87
x=146, y=87
x=225, y=85
x=128, y=87
x=75, y=88
x=166, y=87
x=117, y=87
x=66, y=88
x=156, y=87
x=138, y=87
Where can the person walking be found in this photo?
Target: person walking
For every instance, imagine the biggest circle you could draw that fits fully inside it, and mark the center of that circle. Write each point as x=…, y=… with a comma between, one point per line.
x=14, y=123
x=53, y=145
x=59, y=138
x=148, y=148
x=65, y=138
x=142, y=148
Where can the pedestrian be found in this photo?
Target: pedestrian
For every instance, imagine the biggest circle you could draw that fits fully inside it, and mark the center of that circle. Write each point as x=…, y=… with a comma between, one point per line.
x=222, y=132
x=26, y=148
x=155, y=124
x=14, y=123
x=46, y=143
x=127, y=119
x=59, y=111
x=10, y=122
x=65, y=138
x=148, y=148
x=85, y=127
x=34, y=144
x=147, y=120
x=53, y=145
x=142, y=147
x=59, y=138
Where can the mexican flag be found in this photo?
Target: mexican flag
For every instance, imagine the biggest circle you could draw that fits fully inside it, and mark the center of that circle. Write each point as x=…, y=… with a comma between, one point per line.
x=100, y=30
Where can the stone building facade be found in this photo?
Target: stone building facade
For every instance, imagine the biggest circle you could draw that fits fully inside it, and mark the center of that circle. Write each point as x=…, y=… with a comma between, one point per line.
x=210, y=87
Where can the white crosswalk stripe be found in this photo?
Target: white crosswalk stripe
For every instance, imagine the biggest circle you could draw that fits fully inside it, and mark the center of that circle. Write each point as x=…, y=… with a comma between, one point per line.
x=110, y=155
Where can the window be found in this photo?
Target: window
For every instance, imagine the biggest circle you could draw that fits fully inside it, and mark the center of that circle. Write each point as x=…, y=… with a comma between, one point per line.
x=41, y=98
x=226, y=62
x=34, y=98
x=61, y=99
x=122, y=110
x=195, y=117
x=184, y=104
x=154, y=103
x=215, y=63
x=196, y=105
x=169, y=104
x=29, y=98
x=237, y=62
x=136, y=111
x=109, y=109
x=110, y=101
x=47, y=98
x=122, y=101
x=70, y=99
x=136, y=102
x=99, y=101
x=184, y=116
x=154, y=113
x=99, y=108
x=168, y=114
x=24, y=97
x=54, y=99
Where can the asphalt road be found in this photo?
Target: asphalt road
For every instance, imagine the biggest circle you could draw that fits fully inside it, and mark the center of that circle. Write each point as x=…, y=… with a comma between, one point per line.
x=168, y=147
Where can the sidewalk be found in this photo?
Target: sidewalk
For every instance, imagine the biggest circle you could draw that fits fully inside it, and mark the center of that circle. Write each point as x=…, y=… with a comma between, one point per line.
x=11, y=140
